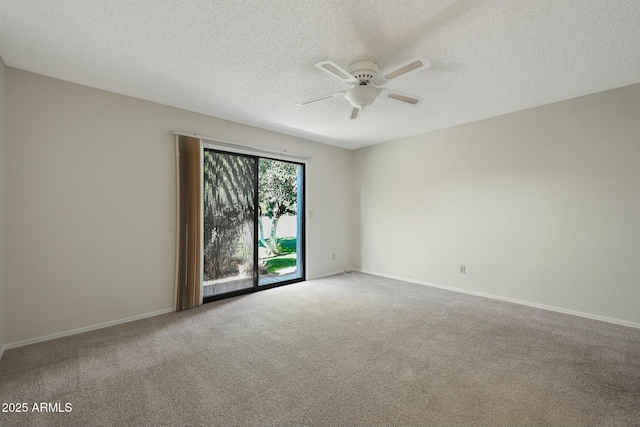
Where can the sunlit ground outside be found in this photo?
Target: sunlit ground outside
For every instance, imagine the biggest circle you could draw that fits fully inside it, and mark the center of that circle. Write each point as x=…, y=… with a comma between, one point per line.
x=284, y=263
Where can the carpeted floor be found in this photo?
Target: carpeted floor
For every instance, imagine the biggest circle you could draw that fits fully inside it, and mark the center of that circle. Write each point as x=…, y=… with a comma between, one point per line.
x=341, y=351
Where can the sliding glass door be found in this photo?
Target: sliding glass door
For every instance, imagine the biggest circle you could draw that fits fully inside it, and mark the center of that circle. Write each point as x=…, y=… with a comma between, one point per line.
x=253, y=223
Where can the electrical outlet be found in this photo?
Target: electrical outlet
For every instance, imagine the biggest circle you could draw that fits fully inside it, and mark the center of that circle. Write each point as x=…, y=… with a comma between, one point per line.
x=333, y=257
x=462, y=269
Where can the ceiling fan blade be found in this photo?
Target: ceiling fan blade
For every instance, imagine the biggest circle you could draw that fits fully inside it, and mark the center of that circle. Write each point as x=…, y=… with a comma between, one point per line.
x=354, y=113
x=403, y=97
x=411, y=66
x=337, y=71
x=319, y=98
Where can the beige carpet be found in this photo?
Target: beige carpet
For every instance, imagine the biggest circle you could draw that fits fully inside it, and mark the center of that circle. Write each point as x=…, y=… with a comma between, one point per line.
x=341, y=351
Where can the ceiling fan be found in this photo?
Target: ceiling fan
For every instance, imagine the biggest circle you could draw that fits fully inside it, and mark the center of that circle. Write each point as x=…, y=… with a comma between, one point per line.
x=366, y=82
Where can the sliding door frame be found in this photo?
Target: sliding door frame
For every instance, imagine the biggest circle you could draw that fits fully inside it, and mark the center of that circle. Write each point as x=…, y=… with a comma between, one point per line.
x=211, y=145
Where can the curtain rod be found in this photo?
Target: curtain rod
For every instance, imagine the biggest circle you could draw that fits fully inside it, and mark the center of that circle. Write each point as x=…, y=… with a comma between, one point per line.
x=250, y=147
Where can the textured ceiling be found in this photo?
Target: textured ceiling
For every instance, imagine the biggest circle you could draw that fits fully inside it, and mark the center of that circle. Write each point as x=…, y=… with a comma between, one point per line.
x=250, y=61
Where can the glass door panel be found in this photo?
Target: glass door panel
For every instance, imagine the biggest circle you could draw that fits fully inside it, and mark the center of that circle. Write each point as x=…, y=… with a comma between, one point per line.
x=229, y=222
x=280, y=214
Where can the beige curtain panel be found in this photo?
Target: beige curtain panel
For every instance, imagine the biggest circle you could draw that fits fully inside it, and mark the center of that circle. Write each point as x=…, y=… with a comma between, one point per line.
x=190, y=232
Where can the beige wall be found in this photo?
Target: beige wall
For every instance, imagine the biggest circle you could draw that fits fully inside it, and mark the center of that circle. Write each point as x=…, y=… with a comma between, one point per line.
x=2, y=174
x=542, y=206
x=91, y=201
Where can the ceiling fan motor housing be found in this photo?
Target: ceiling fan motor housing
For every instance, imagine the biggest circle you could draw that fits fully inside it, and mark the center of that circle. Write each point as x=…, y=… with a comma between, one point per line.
x=364, y=71
x=363, y=94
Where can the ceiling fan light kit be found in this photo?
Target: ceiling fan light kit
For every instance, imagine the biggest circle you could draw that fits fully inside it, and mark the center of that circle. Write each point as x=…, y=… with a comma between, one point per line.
x=366, y=82
x=362, y=96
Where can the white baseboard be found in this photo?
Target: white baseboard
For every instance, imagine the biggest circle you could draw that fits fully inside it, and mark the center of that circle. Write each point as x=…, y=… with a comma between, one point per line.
x=85, y=329
x=507, y=299
x=320, y=276
x=2, y=351
x=112, y=323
